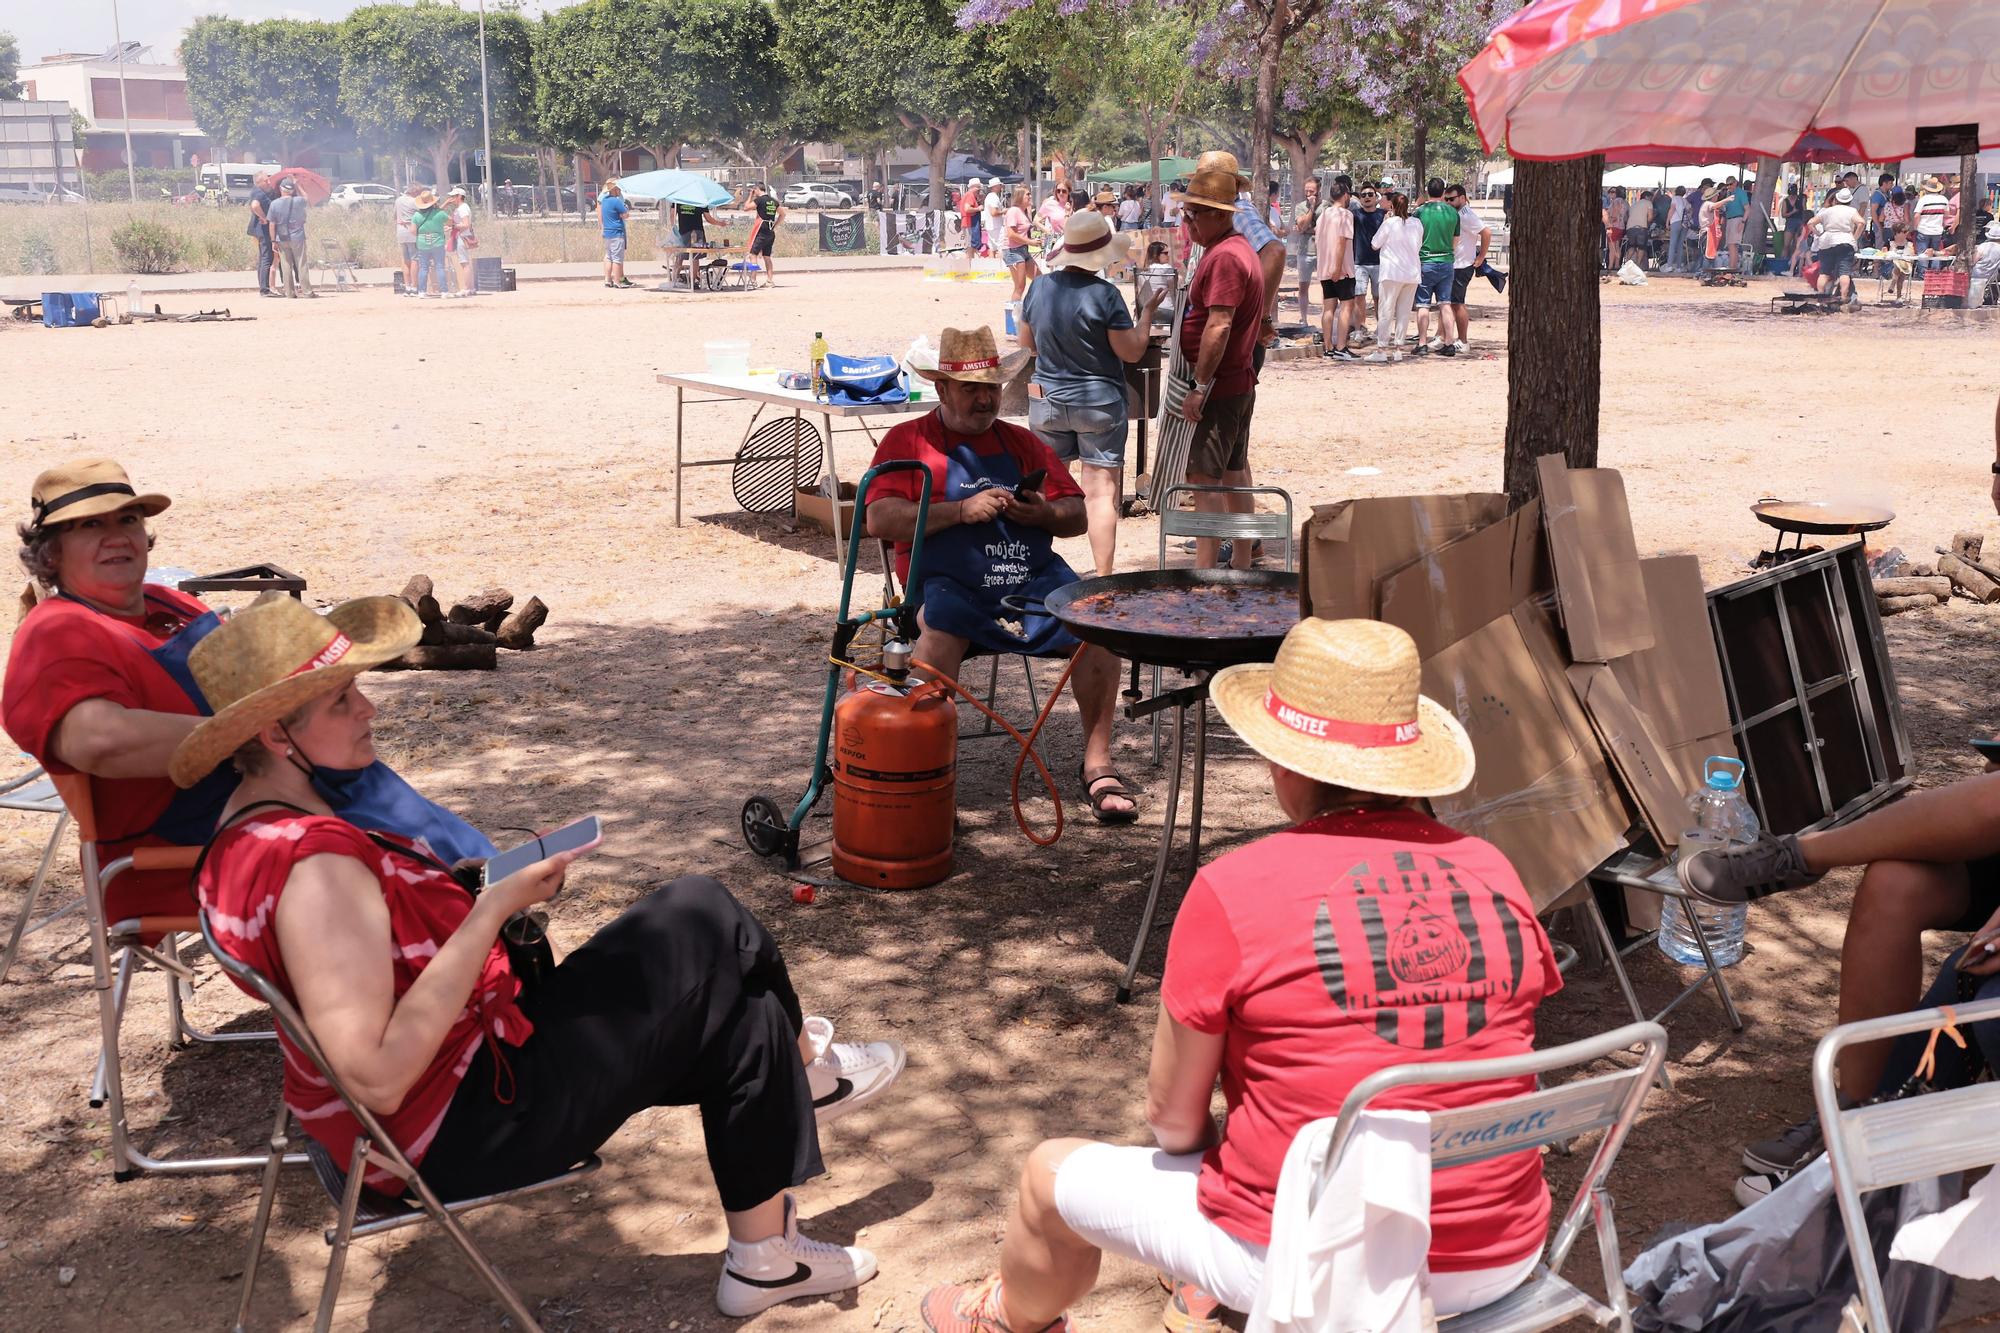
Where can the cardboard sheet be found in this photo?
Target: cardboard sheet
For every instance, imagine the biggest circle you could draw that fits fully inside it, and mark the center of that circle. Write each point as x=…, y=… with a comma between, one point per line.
x=1677, y=683
x=1446, y=594
x=1347, y=545
x=1543, y=793
x=1598, y=585
x=1634, y=750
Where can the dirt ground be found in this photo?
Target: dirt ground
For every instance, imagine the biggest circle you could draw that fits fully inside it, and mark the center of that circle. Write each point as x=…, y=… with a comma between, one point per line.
x=521, y=440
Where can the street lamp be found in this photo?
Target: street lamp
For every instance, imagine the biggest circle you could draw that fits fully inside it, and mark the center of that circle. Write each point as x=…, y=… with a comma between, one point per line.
x=485, y=118
x=125, y=107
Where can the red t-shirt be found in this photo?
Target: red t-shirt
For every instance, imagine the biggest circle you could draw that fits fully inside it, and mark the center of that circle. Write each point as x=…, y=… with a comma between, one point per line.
x=64, y=653
x=240, y=887
x=1353, y=942
x=1228, y=275
x=924, y=440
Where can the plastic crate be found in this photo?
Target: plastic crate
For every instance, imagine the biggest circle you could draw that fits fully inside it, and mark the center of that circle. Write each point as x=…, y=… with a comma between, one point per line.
x=1946, y=282
x=69, y=310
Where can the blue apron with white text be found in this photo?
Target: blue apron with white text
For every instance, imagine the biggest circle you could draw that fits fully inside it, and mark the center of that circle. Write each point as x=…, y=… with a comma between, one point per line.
x=369, y=798
x=969, y=567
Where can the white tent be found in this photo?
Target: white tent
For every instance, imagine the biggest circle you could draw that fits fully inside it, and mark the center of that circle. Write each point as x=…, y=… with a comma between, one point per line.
x=1644, y=178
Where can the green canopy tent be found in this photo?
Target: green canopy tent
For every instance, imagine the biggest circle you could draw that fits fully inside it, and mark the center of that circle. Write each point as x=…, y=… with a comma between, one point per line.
x=1138, y=173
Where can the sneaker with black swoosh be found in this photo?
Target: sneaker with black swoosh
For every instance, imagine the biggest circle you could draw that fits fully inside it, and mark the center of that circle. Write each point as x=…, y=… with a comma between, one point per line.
x=757, y=1275
x=845, y=1075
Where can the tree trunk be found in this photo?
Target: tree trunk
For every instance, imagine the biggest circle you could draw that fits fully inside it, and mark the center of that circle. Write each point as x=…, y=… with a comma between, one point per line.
x=941, y=138
x=1760, y=207
x=1264, y=108
x=1553, y=329
x=1155, y=134
x=1968, y=210
x=1420, y=157
x=441, y=151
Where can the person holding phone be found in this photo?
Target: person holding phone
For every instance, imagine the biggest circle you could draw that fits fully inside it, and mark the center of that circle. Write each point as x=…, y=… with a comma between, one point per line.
x=400, y=972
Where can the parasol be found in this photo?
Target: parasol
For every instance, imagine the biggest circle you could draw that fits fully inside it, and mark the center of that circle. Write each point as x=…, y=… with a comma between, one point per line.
x=1850, y=80
x=313, y=187
x=669, y=186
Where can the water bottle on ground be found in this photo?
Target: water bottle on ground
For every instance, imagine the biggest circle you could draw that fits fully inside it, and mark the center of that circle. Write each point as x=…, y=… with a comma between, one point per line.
x=1722, y=816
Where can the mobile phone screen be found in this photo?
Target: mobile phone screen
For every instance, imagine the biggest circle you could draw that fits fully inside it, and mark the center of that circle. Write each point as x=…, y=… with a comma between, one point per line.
x=584, y=832
x=1032, y=482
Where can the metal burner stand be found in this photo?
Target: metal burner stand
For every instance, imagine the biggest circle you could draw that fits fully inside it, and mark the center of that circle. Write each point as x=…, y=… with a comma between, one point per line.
x=1190, y=696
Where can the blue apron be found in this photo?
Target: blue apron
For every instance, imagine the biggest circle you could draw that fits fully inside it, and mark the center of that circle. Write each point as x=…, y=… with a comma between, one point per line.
x=968, y=568
x=370, y=798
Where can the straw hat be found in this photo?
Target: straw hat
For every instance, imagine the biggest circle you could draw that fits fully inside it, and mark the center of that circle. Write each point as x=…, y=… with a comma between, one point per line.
x=1933, y=184
x=1089, y=242
x=276, y=656
x=1340, y=705
x=1215, y=159
x=1210, y=189
x=84, y=488
x=971, y=356
x=609, y=186
x=428, y=199
x=1104, y=196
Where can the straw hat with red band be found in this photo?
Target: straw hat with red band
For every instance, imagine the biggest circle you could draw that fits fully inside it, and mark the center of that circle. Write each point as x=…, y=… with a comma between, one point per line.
x=1340, y=705
x=1088, y=241
x=973, y=357
x=84, y=489
x=276, y=656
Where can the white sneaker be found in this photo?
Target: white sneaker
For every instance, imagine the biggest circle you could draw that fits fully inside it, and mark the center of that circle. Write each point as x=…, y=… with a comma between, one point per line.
x=1433, y=344
x=1459, y=347
x=846, y=1075
x=1378, y=355
x=760, y=1274
x=1396, y=355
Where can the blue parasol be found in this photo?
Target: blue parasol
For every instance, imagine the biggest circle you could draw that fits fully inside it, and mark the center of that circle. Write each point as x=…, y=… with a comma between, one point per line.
x=672, y=187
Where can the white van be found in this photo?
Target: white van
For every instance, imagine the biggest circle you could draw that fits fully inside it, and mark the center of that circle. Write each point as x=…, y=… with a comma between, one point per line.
x=236, y=180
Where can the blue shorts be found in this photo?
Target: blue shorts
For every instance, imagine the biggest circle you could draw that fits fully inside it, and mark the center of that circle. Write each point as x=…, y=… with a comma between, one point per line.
x=614, y=249
x=1434, y=284
x=1015, y=254
x=1091, y=432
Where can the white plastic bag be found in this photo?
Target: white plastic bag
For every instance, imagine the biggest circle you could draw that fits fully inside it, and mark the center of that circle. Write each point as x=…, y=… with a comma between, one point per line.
x=1631, y=274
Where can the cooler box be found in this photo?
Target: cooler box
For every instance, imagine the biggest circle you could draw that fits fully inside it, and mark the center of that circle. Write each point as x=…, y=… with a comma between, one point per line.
x=69, y=310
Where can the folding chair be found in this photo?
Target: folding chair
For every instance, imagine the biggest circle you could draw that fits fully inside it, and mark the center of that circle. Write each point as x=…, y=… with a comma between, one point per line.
x=116, y=950
x=1893, y=1143
x=1609, y=1102
x=892, y=594
x=33, y=792
x=1253, y=526
x=362, y=1211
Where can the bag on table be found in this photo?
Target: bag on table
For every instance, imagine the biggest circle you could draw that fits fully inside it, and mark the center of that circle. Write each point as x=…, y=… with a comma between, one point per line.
x=855, y=381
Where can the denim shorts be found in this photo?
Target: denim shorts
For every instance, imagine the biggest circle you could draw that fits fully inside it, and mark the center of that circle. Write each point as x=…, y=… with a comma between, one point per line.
x=1368, y=278
x=1015, y=254
x=1093, y=433
x=1434, y=284
x=614, y=249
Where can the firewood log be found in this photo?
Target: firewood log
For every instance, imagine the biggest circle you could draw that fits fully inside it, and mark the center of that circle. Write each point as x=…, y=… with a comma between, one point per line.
x=418, y=592
x=1968, y=580
x=1889, y=606
x=1966, y=546
x=449, y=632
x=448, y=657
x=474, y=610
x=1911, y=586
x=517, y=631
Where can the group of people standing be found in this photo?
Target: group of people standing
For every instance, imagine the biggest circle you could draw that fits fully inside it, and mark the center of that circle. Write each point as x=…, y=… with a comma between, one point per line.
x=437, y=240
x=278, y=224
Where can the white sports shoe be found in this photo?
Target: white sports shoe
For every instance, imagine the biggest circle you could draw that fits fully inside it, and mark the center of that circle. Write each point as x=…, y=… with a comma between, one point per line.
x=1433, y=344
x=1459, y=347
x=760, y=1274
x=845, y=1075
x=1378, y=355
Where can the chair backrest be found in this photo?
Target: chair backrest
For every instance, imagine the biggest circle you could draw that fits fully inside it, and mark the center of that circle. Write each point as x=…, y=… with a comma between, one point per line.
x=1256, y=525
x=1608, y=1101
x=1894, y=1143
x=74, y=788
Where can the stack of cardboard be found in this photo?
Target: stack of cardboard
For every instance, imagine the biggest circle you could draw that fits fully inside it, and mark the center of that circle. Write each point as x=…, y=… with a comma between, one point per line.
x=1586, y=677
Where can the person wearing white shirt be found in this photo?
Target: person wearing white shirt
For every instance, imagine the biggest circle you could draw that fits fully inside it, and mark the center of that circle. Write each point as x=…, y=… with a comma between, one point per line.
x=1838, y=227
x=995, y=221
x=1398, y=243
x=1469, y=252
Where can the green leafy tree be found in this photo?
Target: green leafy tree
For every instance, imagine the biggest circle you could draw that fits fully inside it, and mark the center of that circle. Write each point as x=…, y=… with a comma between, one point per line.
x=219, y=54
x=10, y=65
x=409, y=76
x=296, y=74
x=600, y=85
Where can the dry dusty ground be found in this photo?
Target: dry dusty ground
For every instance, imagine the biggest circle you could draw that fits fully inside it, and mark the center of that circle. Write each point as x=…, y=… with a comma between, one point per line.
x=522, y=440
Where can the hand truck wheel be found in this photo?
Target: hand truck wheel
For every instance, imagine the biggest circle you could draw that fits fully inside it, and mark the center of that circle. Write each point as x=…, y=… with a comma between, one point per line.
x=766, y=831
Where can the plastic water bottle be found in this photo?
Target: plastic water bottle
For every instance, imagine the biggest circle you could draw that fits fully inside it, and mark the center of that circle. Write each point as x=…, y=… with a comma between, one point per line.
x=131, y=298
x=1013, y=329
x=1722, y=816
x=818, y=353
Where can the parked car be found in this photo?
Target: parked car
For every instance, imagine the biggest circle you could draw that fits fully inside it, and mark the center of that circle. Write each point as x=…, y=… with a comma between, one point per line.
x=811, y=194
x=23, y=192
x=352, y=195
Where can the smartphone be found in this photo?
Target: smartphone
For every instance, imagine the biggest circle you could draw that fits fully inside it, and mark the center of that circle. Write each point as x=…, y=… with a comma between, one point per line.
x=1032, y=482
x=583, y=833
x=1989, y=750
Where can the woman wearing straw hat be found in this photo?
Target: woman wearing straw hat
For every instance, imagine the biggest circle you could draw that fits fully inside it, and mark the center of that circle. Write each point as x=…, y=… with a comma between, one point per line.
x=431, y=222
x=1076, y=402
x=1365, y=934
x=401, y=975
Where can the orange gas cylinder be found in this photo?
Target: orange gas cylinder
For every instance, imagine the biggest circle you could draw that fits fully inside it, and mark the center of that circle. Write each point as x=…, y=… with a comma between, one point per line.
x=895, y=780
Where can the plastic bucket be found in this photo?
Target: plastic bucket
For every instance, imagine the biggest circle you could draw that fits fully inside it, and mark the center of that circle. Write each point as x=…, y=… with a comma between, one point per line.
x=728, y=356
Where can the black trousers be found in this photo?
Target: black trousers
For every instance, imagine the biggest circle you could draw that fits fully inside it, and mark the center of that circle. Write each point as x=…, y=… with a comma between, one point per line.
x=1956, y=1067
x=682, y=1001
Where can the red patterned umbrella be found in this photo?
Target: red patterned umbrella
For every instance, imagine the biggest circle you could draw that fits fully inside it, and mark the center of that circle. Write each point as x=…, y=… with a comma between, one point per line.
x=1638, y=80
x=313, y=187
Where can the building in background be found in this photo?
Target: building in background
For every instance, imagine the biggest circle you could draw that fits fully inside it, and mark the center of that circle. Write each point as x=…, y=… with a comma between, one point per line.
x=164, y=133
x=37, y=152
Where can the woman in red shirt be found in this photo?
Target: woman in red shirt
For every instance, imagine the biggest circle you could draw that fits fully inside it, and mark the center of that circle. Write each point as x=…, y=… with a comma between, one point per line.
x=399, y=970
x=1364, y=935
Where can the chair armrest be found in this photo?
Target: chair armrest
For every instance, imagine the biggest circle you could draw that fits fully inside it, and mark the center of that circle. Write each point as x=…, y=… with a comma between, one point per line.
x=165, y=858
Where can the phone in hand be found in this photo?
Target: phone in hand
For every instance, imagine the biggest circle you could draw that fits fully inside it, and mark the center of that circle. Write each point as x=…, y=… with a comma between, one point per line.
x=584, y=833
x=1032, y=482
x=1989, y=750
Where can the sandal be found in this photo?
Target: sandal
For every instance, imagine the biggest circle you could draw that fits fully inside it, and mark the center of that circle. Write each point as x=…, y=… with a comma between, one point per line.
x=1097, y=795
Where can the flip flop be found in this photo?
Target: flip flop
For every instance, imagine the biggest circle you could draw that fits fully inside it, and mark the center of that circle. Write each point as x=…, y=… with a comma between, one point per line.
x=1097, y=796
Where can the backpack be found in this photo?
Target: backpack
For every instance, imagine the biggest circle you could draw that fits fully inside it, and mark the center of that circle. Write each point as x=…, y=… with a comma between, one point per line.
x=854, y=381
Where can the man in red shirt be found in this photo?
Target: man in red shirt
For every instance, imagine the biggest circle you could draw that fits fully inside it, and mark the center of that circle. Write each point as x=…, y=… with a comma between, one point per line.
x=1219, y=338
x=1366, y=934
x=998, y=499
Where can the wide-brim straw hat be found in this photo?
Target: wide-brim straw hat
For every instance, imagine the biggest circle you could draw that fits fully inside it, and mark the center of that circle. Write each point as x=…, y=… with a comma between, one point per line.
x=972, y=356
x=1210, y=189
x=427, y=199
x=1933, y=184
x=1341, y=705
x=276, y=656
x=84, y=488
x=1089, y=241
x=1216, y=159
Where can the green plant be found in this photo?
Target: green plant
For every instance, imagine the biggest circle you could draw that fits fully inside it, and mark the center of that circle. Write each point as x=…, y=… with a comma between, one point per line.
x=37, y=254
x=149, y=247
x=221, y=251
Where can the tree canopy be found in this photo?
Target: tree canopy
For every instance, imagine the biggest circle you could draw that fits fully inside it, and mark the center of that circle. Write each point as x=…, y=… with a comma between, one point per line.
x=409, y=76
x=10, y=65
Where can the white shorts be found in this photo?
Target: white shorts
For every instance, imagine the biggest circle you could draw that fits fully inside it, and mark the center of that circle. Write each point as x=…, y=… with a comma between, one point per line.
x=1140, y=1203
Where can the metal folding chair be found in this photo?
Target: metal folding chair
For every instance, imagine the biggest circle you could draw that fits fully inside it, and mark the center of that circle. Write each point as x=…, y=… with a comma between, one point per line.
x=892, y=595
x=1253, y=526
x=33, y=792
x=1547, y=1116
x=116, y=950
x=1893, y=1143
x=362, y=1211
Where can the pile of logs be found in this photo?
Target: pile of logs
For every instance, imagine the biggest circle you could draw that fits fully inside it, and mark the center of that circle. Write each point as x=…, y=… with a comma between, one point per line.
x=469, y=636
x=1961, y=568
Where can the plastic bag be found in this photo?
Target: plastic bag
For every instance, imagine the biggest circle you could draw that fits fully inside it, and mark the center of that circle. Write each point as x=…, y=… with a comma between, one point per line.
x=855, y=381
x=1631, y=274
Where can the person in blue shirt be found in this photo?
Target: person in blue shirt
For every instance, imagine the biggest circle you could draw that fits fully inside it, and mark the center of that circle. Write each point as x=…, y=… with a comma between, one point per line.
x=611, y=211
